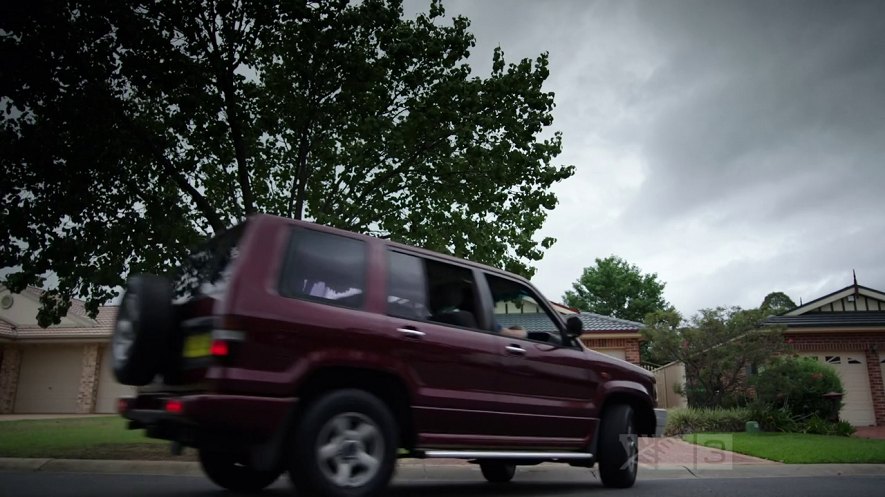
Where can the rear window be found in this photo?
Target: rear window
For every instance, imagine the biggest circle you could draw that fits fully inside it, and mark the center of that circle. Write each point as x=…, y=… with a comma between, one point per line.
x=209, y=267
x=326, y=268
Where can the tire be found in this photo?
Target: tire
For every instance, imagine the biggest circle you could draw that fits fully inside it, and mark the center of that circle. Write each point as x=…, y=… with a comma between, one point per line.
x=618, y=451
x=145, y=323
x=345, y=445
x=232, y=471
x=497, y=472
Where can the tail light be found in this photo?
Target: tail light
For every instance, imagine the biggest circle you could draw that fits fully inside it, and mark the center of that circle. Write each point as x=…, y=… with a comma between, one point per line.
x=225, y=339
x=219, y=348
x=174, y=406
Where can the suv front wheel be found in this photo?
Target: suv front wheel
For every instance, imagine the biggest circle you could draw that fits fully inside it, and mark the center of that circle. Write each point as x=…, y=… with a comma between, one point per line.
x=345, y=446
x=618, y=449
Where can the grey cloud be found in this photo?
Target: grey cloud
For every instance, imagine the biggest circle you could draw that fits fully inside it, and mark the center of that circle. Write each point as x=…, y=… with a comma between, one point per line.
x=735, y=148
x=798, y=81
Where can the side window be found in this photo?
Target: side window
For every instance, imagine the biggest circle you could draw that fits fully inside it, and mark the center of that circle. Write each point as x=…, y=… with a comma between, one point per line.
x=519, y=309
x=406, y=287
x=326, y=268
x=429, y=290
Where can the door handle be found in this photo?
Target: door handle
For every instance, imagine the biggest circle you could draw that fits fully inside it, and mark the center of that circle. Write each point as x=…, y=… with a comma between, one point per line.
x=411, y=333
x=515, y=349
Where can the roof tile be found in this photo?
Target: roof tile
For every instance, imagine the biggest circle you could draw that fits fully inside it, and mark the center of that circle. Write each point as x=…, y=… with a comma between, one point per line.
x=592, y=322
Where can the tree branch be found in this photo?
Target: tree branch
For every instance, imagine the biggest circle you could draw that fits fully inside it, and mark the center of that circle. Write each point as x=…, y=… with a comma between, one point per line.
x=200, y=201
x=224, y=79
x=299, y=180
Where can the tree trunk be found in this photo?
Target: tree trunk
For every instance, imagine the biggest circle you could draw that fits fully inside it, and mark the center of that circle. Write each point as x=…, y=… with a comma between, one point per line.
x=236, y=133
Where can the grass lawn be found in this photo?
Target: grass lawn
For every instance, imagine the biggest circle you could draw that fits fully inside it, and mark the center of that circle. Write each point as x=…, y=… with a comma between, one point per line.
x=798, y=448
x=81, y=438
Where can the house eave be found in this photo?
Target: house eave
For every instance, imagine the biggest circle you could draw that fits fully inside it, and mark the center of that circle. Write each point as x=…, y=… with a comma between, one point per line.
x=822, y=329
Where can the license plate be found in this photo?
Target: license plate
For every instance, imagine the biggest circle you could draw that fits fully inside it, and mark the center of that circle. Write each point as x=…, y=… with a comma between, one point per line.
x=197, y=345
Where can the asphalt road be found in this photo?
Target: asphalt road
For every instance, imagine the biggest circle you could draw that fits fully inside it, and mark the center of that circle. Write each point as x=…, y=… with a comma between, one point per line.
x=443, y=482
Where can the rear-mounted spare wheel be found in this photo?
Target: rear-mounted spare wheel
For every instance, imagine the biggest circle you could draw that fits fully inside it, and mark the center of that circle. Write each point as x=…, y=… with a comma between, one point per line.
x=144, y=324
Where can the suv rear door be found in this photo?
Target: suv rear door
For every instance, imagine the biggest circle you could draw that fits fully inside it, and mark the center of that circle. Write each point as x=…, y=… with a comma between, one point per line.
x=451, y=361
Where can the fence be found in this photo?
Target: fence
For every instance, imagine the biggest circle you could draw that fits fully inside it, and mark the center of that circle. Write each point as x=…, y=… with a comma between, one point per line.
x=670, y=377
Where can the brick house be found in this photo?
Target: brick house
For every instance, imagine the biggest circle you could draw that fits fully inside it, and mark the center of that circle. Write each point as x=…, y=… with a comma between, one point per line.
x=845, y=329
x=65, y=368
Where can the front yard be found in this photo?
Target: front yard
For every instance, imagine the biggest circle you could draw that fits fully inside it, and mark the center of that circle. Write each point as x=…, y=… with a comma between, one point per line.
x=799, y=448
x=80, y=438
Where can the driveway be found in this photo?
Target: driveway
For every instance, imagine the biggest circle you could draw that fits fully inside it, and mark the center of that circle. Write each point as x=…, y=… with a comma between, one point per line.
x=673, y=452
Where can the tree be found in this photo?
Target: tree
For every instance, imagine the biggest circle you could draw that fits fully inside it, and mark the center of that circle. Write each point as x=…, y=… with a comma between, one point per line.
x=777, y=303
x=133, y=130
x=614, y=287
x=717, y=346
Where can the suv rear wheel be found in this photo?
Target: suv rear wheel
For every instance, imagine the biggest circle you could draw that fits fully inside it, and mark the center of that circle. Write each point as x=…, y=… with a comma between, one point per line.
x=233, y=471
x=345, y=446
x=497, y=472
x=618, y=451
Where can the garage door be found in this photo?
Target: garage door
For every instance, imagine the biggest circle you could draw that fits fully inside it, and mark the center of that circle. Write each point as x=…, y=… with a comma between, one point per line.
x=852, y=370
x=616, y=353
x=49, y=379
x=108, y=388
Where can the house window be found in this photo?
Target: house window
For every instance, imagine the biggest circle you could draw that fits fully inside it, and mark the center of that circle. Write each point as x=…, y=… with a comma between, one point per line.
x=833, y=359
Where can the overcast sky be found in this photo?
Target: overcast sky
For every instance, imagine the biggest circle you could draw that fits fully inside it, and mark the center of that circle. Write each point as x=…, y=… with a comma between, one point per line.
x=732, y=147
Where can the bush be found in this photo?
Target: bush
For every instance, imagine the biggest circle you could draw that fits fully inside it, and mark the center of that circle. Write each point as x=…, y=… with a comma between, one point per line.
x=772, y=418
x=843, y=429
x=818, y=426
x=691, y=420
x=798, y=385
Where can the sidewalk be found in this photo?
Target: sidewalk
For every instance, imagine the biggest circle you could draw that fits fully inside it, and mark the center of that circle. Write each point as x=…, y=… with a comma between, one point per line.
x=28, y=417
x=874, y=432
x=671, y=452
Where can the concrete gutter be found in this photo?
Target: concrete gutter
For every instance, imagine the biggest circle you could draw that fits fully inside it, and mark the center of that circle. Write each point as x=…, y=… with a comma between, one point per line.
x=441, y=469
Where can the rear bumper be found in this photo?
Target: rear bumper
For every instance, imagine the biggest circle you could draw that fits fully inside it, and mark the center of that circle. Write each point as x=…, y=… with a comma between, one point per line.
x=208, y=416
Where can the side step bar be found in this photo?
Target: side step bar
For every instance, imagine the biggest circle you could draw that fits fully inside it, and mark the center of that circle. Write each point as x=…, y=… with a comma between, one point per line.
x=496, y=454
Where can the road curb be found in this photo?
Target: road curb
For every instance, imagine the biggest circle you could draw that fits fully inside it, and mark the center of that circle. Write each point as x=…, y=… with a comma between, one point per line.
x=172, y=468
x=433, y=469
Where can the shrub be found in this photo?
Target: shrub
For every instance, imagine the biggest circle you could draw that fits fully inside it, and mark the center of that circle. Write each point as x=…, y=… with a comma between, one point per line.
x=692, y=420
x=843, y=429
x=798, y=385
x=818, y=426
x=772, y=418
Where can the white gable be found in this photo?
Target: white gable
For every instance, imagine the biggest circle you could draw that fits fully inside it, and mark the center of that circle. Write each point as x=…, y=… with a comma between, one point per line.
x=850, y=299
x=24, y=308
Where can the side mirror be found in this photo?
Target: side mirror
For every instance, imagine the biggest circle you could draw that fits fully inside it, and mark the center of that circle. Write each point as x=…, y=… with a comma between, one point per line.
x=574, y=326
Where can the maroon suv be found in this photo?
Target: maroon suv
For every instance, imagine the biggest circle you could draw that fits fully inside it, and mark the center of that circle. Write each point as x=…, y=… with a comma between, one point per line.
x=288, y=346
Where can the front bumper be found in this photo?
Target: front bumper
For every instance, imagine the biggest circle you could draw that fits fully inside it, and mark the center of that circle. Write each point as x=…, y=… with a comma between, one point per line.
x=661, y=422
